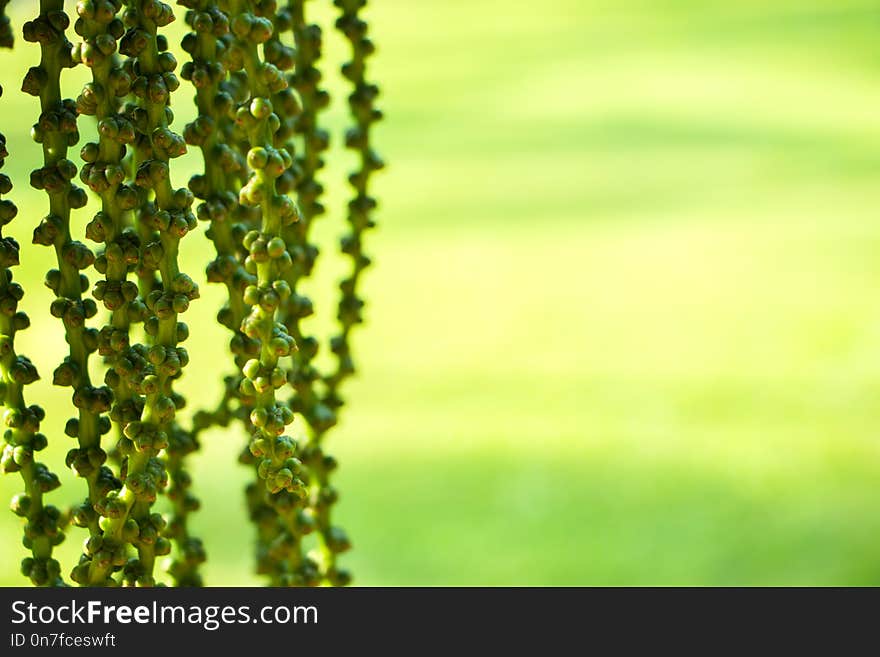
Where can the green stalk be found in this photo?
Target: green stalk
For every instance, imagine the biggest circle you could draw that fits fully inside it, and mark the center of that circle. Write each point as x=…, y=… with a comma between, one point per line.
x=332, y=539
x=272, y=546
x=56, y=131
x=151, y=370
x=315, y=140
x=104, y=173
x=43, y=529
x=304, y=124
x=224, y=171
x=268, y=258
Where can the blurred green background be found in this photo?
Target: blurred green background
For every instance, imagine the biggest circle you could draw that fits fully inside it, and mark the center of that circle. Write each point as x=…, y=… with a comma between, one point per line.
x=624, y=325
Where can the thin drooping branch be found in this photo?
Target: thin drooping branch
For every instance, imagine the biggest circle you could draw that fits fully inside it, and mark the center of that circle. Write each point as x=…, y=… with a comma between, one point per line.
x=279, y=469
x=56, y=130
x=256, y=69
x=165, y=217
x=43, y=523
x=333, y=540
x=104, y=173
x=224, y=170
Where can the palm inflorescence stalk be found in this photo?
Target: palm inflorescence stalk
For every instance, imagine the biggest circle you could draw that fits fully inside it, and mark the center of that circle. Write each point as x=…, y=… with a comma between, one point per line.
x=255, y=70
x=57, y=131
x=21, y=434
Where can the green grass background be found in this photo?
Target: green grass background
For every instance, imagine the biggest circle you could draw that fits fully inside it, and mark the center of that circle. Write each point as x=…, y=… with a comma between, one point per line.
x=624, y=326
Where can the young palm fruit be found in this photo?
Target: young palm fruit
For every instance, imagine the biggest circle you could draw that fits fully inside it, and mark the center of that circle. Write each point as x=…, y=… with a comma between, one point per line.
x=306, y=79
x=225, y=168
x=262, y=514
x=350, y=311
x=224, y=171
x=103, y=172
x=285, y=100
x=150, y=369
x=56, y=130
x=270, y=526
x=279, y=469
x=43, y=526
x=303, y=376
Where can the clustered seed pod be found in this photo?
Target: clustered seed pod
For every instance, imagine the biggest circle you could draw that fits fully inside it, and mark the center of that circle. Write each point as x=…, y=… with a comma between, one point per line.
x=104, y=173
x=322, y=415
x=43, y=529
x=225, y=172
x=214, y=131
x=279, y=468
x=306, y=80
x=273, y=551
x=255, y=70
x=149, y=370
x=303, y=376
x=56, y=130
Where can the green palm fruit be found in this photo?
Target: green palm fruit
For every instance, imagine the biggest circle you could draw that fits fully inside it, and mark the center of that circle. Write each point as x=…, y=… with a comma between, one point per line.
x=22, y=437
x=333, y=539
x=272, y=549
x=278, y=468
x=224, y=171
x=301, y=123
x=56, y=131
x=315, y=140
x=218, y=94
x=105, y=174
x=255, y=67
x=164, y=216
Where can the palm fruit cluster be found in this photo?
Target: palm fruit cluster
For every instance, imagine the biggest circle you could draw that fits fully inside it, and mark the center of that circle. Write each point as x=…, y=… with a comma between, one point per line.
x=21, y=423
x=322, y=415
x=254, y=70
x=56, y=130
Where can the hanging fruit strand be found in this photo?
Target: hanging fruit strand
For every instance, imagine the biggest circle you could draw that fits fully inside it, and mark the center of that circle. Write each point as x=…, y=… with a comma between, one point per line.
x=302, y=375
x=104, y=174
x=268, y=258
x=167, y=219
x=22, y=437
x=333, y=539
x=225, y=171
x=303, y=124
x=56, y=130
x=271, y=548
x=315, y=140
x=255, y=67
x=205, y=44
x=151, y=369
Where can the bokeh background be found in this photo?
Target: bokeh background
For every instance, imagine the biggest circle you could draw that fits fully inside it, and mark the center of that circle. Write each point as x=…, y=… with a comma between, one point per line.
x=624, y=325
